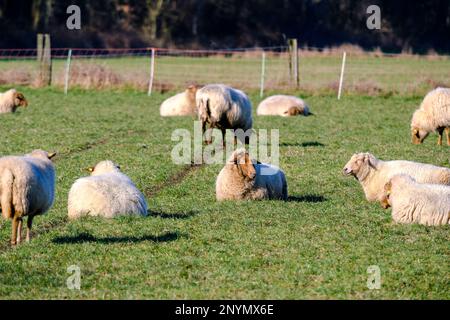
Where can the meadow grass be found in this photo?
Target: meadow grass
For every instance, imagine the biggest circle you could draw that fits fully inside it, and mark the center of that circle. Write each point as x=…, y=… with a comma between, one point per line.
x=318, y=244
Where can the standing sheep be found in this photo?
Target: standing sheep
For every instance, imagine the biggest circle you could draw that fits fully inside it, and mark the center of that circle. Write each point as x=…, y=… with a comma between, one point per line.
x=224, y=108
x=433, y=115
x=107, y=193
x=242, y=179
x=182, y=104
x=282, y=105
x=373, y=173
x=11, y=100
x=413, y=202
x=27, y=188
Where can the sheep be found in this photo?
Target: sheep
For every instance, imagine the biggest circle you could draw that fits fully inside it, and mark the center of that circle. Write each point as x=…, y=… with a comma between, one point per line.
x=413, y=202
x=27, y=188
x=224, y=108
x=433, y=115
x=243, y=179
x=106, y=193
x=282, y=105
x=182, y=104
x=11, y=100
x=373, y=173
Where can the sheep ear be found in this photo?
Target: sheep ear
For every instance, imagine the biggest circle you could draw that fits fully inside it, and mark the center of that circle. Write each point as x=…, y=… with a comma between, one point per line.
x=247, y=168
x=51, y=155
x=371, y=161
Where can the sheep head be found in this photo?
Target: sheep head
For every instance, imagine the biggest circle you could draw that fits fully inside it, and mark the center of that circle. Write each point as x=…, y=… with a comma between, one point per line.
x=386, y=195
x=242, y=163
x=102, y=167
x=19, y=100
x=293, y=111
x=360, y=165
x=41, y=154
x=418, y=135
x=191, y=92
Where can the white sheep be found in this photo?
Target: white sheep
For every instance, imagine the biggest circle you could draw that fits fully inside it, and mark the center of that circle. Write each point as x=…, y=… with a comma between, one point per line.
x=433, y=115
x=241, y=178
x=107, y=193
x=373, y=173
x=182, y=104
x=224, y=108
x=11, y=100
x=413, y=202
x=282, y=105
x=27, y=188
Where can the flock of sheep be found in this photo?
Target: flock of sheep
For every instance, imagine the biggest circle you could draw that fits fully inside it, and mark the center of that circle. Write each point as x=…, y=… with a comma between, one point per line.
x=418, y=193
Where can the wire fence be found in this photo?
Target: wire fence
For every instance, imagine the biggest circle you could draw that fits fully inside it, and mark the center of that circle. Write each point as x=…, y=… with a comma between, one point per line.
x=265, y=69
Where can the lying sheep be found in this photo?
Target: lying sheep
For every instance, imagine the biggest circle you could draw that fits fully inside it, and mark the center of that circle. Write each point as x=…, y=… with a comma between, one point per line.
x=373, y=173
x=241, y=179
x=182, y=104
x=433, y=115
x=11, y=100
x=27, y=188
x=282, y=105
x=224, y=108
x=413, y=202
x=107, y=193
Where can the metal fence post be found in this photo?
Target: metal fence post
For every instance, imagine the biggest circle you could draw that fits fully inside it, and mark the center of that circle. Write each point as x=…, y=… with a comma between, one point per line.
x=341, y=80
x=67, y=75
x=263, y=73
x=152, y=73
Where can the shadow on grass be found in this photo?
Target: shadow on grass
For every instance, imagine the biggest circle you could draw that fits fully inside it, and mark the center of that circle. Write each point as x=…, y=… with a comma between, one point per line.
x=175, y=215
x=311, y=198
x=87, y=237
x=303, y=144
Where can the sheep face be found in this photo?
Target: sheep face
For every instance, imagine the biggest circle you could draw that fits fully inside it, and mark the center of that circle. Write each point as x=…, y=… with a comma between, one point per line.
x=293, y=111
x=359, y=165
x=418, y=135
x=243, y=165
x=19, y=100
x=41, y=154
x=385, y=200
x=103, y=167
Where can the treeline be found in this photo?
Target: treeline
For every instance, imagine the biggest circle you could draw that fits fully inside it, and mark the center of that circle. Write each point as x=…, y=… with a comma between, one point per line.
x=416, y=26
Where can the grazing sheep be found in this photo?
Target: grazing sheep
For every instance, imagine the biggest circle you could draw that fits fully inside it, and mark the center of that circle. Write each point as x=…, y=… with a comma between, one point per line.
x=27, y=188
x=413, y=202
x=433, y=115
x=282, y=105
x=107, y=193
x=224, y=108
x=374, y=173
x=11, y=100
x=241, y=179
x=182, y=104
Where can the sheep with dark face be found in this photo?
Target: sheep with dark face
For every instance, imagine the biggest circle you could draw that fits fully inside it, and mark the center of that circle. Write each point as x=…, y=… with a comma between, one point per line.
x=223, y=107
x=282, y=105
x=11, y=100
x=373, y=173
x=433, y=115
x=244, y=179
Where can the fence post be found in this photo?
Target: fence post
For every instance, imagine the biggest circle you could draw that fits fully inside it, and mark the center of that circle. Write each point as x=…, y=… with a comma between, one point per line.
x=44, y=57
x=66, y=80
x=293, y=62
x=342, y=75
x=263, y=73
x=152, y=73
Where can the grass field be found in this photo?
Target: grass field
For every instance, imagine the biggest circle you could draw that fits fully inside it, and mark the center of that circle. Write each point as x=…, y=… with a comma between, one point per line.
x=318, y=244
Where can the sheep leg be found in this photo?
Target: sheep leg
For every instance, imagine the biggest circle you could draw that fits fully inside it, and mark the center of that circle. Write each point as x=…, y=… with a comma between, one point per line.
x=19, y=231
x=224, y=132
x=440, y=131
x=15, y=226
x=29, y=225
x=447, y=131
